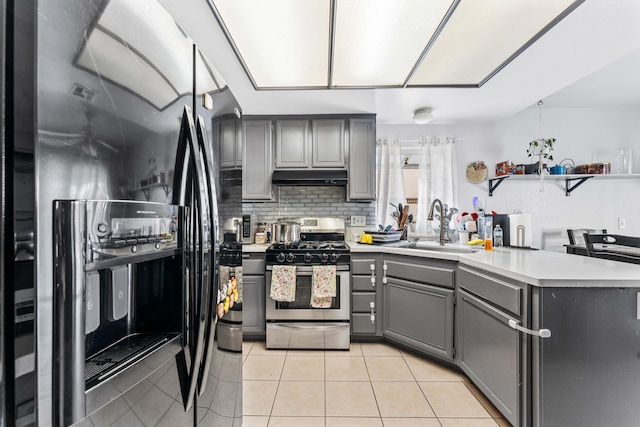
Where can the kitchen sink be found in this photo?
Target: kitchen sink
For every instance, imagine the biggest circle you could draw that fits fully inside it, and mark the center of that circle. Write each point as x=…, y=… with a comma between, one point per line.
x=453, y=248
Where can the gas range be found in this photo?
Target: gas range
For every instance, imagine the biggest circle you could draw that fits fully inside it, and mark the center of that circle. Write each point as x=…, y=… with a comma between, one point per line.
x=315, y=252
x=321, y=243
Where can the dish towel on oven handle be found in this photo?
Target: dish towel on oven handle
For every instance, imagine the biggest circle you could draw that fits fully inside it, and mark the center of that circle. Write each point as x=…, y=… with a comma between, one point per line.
x=283, y=283
x=323, y=286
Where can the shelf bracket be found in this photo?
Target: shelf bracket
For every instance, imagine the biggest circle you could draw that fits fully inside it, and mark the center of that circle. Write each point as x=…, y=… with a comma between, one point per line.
x=569, y=188
x=146, y=189
x=492, y=187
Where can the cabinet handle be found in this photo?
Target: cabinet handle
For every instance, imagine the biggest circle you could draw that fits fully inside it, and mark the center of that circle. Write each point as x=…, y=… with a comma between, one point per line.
x=372, y=267
x=372, y=306
x=542, y=333
x=384, y=273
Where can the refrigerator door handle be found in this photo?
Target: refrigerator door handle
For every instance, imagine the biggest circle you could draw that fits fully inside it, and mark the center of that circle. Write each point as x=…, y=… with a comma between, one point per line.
x=187, y=151
x=211, y=320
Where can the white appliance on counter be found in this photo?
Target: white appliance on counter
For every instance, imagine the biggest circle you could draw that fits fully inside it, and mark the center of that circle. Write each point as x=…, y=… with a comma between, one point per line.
x=518, y=229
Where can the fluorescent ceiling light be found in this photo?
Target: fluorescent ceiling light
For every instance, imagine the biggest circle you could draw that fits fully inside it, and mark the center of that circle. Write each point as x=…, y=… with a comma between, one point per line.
x=310, y=44
x=480, y=36
x=283, y=43
x=377, y=42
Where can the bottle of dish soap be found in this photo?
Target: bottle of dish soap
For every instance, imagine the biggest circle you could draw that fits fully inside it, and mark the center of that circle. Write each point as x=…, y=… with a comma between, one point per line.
x=497, y=237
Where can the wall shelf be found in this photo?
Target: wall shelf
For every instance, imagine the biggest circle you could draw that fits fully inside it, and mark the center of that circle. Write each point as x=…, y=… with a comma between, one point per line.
x=571, y=181
x=147, y=188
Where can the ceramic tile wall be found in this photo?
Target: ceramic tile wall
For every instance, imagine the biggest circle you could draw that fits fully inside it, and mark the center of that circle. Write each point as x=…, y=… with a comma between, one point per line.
x=297, y=201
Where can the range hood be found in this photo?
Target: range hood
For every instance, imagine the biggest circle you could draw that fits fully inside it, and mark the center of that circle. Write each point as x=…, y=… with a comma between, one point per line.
x=310, y=177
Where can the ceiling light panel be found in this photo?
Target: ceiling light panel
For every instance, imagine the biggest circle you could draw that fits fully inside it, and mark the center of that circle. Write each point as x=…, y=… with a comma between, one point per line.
x=378, y=42
x=481, y=35
x=284, y=43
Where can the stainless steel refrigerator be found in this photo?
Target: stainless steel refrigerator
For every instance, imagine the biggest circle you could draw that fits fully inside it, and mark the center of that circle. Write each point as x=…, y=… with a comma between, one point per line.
x=111, y=198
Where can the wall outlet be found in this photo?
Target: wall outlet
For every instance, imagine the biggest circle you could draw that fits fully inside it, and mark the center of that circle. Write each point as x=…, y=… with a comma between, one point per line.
x=622, y=223
x=358, y=220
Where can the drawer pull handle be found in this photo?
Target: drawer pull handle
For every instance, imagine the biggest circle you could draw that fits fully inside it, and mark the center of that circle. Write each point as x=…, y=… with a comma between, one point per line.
x=373, y=319
x=373, y=275
x=542, y=333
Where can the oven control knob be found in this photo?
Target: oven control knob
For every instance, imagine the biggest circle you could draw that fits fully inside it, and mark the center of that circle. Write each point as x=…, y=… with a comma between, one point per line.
x=280, y=257
x=324, y=258
x=291, y=257
x=308, y=257
x=134, y=249
x=334, y=257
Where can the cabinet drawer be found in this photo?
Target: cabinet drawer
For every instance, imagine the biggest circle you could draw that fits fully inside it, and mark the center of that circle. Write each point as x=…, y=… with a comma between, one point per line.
x=362, y=302
x=361, y=324
x=433, y=272
x=362, y=283
x=254, y=264
x=499, y=292
x=363, y=265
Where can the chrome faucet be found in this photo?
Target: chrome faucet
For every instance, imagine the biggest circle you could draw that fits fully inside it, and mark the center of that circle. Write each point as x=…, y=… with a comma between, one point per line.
x=442, y=217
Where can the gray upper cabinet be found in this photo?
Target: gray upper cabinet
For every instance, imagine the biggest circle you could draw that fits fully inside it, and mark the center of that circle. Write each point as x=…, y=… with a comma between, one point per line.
x=292, y=144
x=362, y=160
x=230, y=143
x=328, y=144
x=257, y=167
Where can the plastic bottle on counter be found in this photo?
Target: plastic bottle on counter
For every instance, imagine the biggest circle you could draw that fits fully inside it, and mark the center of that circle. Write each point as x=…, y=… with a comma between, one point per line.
x=488, y=233
x=497, y=236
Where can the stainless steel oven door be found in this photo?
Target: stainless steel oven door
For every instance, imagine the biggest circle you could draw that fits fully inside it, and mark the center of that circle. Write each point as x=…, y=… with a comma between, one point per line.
x=301, y=309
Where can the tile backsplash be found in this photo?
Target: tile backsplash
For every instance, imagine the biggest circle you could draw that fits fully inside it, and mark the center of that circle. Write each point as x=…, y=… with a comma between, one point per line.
x=313, y=201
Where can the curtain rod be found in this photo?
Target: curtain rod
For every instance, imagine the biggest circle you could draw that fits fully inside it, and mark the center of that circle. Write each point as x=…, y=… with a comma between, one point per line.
x=417, y=141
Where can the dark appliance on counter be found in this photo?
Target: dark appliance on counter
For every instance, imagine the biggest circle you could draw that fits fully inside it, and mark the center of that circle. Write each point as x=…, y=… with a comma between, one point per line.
x=101, y=100
x=229, y=326
x=247, y=228
x=297, y=323
x=516, y=228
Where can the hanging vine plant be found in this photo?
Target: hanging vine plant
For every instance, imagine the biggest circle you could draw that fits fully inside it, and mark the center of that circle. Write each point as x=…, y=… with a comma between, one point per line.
x=541, y=147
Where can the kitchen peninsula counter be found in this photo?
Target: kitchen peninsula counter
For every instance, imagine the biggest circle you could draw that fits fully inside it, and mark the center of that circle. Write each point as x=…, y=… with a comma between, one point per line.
x=535, y=267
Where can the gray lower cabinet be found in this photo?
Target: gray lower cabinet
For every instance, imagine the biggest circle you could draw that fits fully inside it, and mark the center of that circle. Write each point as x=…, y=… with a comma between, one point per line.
x=489, y=351
x=257, y=160
x=366, y=296
x=362, y=160
x=588, y=372
x=253, y=296
x=419, y=304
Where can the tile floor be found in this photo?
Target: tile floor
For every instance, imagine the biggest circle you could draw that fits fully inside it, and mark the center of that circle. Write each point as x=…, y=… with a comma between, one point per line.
x=369, y=385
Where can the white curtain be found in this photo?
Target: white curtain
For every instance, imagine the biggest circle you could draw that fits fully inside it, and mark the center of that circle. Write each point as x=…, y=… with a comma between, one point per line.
x=389, y=182
x=437, y=179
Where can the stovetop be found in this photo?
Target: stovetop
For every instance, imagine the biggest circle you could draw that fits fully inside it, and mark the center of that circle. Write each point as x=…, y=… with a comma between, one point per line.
x=310, y=246
x=309, y=253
